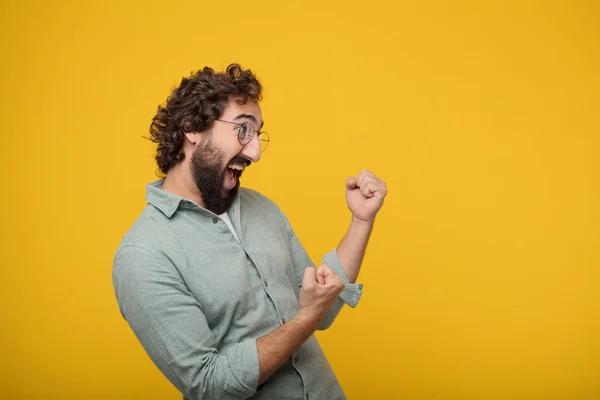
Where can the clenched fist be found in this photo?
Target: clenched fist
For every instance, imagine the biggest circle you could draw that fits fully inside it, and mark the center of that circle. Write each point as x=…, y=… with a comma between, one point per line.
x=320, y=287
x=364, y=195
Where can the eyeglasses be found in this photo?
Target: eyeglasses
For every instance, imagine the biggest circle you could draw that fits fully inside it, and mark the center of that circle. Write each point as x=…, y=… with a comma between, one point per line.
x=246, y=133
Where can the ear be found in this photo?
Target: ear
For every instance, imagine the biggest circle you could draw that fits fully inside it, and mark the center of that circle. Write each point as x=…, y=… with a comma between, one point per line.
x=192, y=137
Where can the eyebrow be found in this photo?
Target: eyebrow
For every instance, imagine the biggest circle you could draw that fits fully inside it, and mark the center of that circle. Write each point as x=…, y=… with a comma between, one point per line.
x=251, y=117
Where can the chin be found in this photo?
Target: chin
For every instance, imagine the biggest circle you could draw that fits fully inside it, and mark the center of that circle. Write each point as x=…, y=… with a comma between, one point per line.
x=225, y=192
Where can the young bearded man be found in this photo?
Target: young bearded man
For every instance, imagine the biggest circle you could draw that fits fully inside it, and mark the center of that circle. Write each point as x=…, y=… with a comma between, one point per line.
x=211, y=277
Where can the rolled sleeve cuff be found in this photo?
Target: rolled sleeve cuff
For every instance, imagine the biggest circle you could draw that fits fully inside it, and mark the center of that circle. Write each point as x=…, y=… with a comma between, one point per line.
x=245, y=369
x=353, y=291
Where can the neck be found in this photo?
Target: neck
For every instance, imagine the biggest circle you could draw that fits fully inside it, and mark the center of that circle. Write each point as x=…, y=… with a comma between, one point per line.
x=179, y=181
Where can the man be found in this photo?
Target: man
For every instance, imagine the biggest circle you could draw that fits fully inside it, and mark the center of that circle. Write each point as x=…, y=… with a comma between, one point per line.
x=211, y=277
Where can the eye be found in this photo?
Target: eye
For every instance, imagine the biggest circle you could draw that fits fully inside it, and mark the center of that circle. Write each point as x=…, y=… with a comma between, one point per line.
x=243, y=129
x=245, y=132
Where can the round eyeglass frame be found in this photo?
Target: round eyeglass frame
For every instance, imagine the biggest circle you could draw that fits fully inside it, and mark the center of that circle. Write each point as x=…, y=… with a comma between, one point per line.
x=246, y=132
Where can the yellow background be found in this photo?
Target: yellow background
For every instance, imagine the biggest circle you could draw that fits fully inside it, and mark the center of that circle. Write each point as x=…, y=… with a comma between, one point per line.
x=482, y=277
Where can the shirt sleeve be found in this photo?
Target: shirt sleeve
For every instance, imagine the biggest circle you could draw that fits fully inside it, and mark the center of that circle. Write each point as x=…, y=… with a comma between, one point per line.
x=350, y=295
x=172, y=328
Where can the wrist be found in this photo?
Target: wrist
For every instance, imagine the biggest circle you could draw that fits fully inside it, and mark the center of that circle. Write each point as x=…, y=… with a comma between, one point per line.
x=362, y=223
x=307, y=319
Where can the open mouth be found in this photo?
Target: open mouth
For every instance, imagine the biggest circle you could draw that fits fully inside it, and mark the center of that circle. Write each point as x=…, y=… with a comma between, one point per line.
x=234, y=170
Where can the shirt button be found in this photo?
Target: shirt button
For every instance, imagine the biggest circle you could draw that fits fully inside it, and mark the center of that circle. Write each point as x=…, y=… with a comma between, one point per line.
x=295, y=359
x=266, y=283
x=283, y=320
x=215, y=220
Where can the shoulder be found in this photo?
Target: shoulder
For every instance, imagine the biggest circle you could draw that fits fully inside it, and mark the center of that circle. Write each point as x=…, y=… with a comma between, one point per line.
x=142, y=256
x=250, y=197
x=258, y=205
x=149, y=231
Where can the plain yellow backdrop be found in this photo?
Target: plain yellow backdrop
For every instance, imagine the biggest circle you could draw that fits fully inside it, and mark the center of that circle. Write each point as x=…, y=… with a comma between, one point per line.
x=482, y=278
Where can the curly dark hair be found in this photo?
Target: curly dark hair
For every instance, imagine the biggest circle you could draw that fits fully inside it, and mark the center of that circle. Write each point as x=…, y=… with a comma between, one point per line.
x=195, y=105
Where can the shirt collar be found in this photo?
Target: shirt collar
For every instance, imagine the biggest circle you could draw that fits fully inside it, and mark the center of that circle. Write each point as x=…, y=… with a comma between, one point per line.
x=166, y=202
x=169, y=203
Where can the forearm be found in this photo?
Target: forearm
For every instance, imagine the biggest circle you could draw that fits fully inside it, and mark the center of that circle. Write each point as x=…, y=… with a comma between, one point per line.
x=277, y=346
x=351, y=249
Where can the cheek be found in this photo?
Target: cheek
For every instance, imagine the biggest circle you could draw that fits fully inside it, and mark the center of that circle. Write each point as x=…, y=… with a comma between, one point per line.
x=231, y=151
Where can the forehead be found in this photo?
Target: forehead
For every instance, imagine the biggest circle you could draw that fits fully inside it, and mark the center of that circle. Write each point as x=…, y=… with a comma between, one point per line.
x=243, y=112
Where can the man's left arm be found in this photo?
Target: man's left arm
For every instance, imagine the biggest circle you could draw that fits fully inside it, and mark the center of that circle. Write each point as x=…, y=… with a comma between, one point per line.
x=364, y=194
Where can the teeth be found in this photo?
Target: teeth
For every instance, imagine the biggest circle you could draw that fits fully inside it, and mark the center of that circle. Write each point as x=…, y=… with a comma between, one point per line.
x=236, y=166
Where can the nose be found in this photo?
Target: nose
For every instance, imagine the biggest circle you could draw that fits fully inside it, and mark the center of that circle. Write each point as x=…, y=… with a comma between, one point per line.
x=251, y=150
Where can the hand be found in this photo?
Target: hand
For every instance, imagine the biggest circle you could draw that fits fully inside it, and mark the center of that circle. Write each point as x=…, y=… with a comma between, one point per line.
x=364, y=195
x=320, y=287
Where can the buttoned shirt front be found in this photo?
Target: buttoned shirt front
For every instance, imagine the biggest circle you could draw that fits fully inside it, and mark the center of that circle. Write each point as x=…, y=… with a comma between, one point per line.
x=197, y=298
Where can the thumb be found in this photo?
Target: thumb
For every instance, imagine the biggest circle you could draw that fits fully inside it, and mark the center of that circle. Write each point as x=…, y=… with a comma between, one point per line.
x=310, y=277
x=321, y=275
x=351, y=183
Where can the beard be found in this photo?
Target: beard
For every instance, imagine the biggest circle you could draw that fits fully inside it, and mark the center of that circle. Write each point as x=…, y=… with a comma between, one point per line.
x=209, y=171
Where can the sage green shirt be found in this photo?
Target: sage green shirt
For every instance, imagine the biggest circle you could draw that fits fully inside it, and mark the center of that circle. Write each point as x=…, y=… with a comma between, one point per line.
x=197, y=299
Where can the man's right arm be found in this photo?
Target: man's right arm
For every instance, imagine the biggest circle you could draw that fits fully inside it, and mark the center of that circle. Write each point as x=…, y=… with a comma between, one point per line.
x=320, y=288
x=173, y=330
